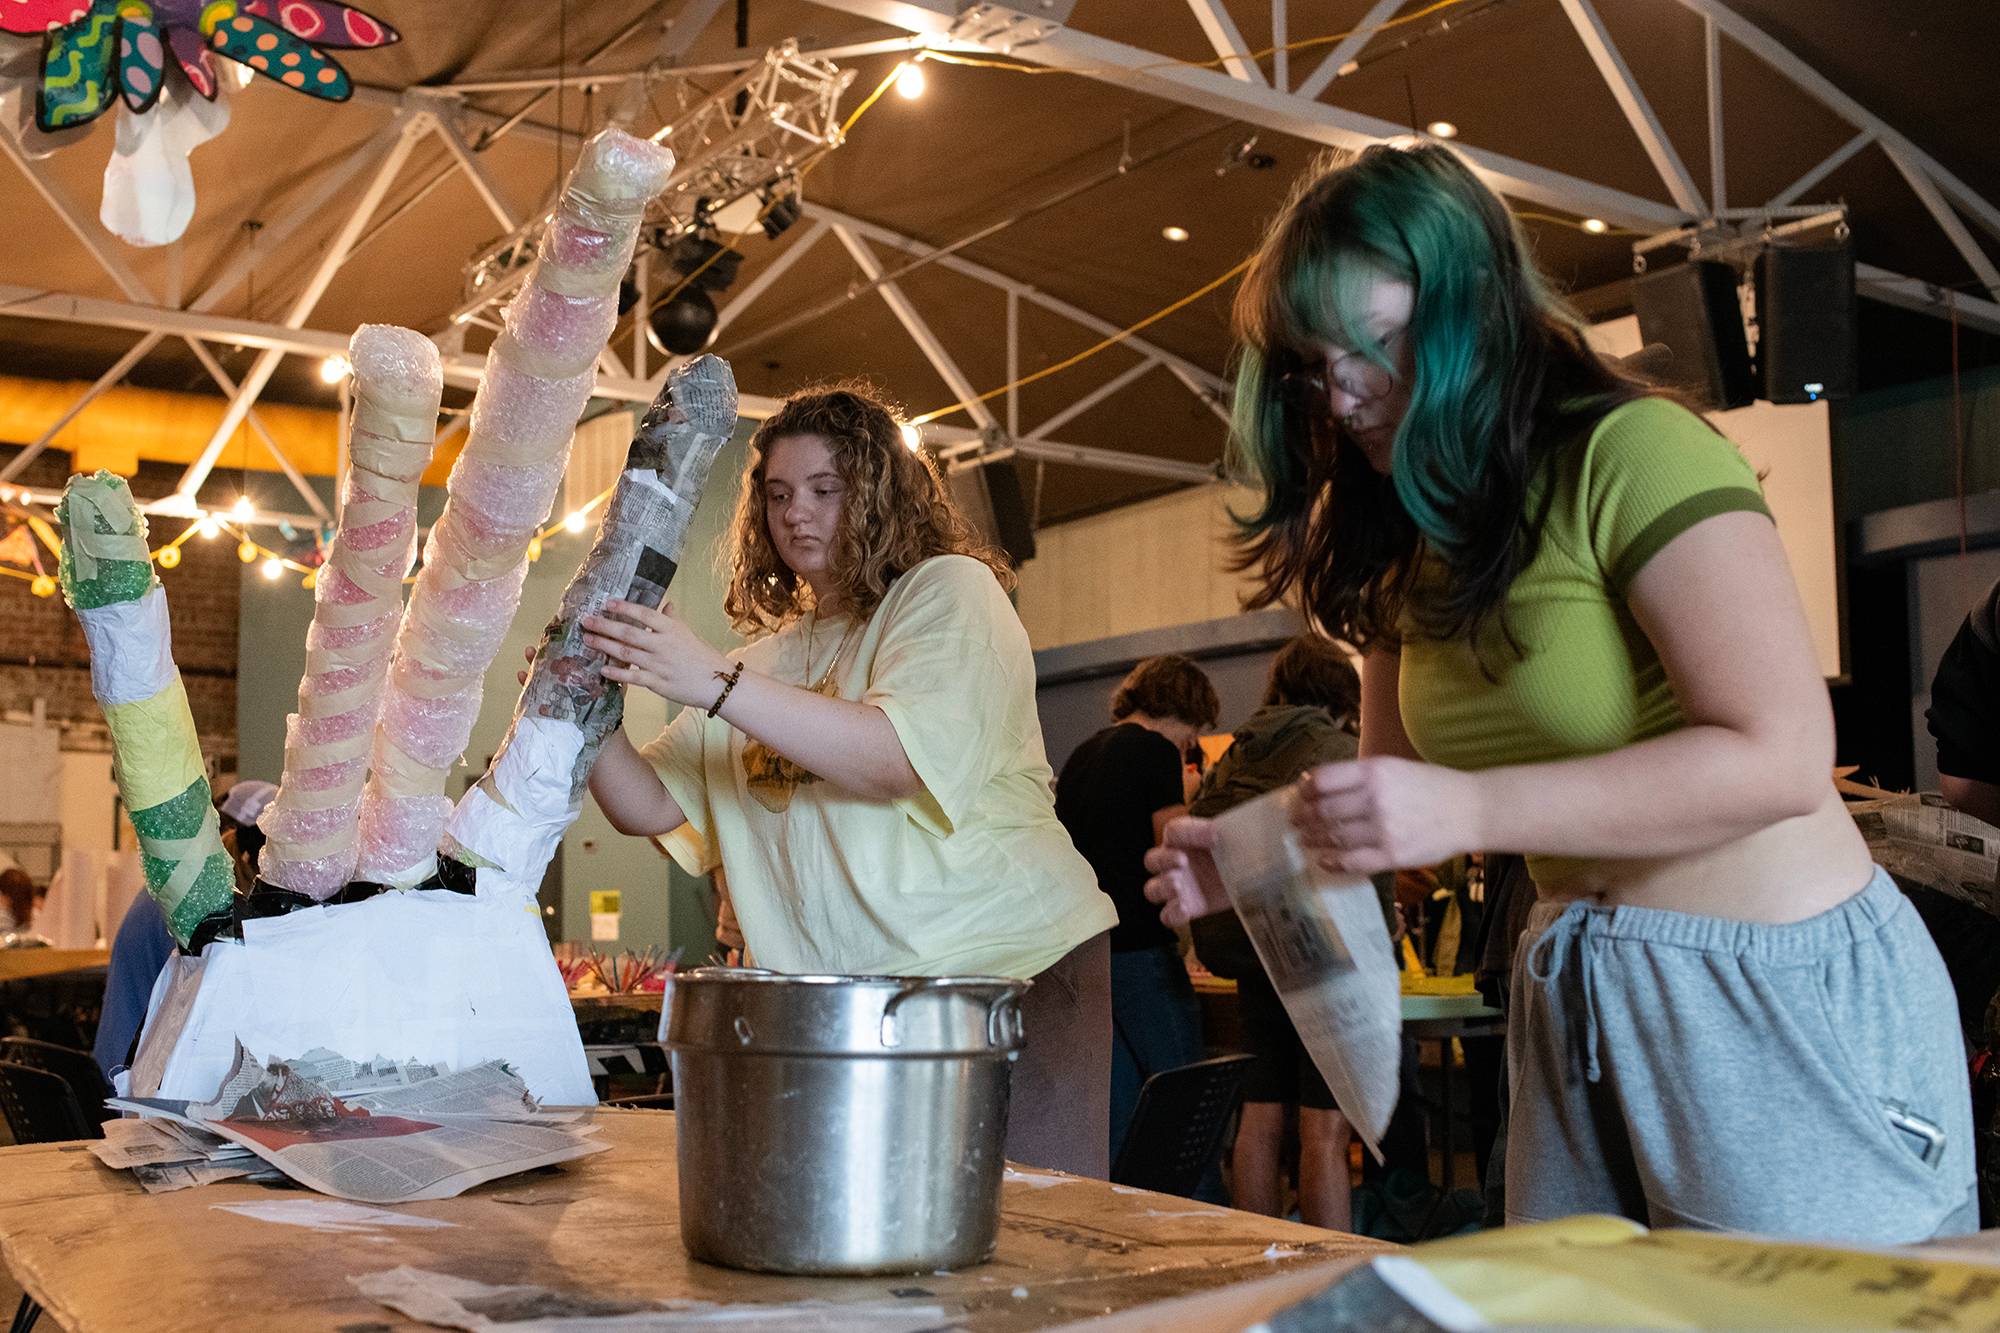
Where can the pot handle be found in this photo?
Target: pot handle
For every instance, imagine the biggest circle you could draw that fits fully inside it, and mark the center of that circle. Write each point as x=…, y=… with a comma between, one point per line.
x=1004, y=1027
x=891, y=1038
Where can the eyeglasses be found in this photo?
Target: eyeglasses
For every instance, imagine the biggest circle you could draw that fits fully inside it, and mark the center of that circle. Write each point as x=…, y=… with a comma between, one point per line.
x=1356, y=374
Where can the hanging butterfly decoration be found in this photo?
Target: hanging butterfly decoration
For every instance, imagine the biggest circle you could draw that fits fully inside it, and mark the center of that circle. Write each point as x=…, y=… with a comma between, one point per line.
x=93, y=50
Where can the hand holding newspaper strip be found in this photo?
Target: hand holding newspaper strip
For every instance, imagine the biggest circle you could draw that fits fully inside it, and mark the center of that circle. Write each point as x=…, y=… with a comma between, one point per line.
x=1327, y=950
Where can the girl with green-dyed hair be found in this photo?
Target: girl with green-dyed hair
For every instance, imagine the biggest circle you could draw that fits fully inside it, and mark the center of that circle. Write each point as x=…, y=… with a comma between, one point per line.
x=1583, y=644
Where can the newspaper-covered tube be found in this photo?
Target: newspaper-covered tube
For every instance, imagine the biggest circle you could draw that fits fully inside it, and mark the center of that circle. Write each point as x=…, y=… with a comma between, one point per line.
x=507, y=825
x=357, y=601
x=538, y=378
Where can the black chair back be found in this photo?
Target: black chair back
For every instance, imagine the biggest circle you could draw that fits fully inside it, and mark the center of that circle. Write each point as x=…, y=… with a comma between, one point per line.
x=39, y=1107
x=76, y=1068
x=1178, y=1128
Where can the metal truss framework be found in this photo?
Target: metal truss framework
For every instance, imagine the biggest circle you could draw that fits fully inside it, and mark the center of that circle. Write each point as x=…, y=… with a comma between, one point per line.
x=1242, y=89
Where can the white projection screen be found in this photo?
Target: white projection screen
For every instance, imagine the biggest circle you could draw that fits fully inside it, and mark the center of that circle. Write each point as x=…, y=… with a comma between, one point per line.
x=1791, y=448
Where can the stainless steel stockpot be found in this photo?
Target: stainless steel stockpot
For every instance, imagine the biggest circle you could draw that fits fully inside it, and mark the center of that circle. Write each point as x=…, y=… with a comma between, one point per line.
x=833, y=1124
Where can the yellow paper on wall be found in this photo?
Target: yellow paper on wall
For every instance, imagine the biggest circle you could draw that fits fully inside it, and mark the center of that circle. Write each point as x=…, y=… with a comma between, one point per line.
x=1611, y=1272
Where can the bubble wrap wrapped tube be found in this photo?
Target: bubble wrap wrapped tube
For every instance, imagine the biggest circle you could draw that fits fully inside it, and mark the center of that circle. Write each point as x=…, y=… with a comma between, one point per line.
x=311, y=824
x=508, y=824
x=537, y=380
x=107, y=576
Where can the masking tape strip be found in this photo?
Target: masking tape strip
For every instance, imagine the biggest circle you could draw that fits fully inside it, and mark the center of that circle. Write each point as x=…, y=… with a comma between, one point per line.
x=88, y=545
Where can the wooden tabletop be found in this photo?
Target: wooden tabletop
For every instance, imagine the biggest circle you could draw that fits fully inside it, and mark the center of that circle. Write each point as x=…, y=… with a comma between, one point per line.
x=104, y=1257
x=20, y=964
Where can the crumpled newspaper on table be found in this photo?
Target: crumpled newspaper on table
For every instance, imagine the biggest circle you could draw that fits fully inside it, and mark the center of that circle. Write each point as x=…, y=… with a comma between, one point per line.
x=1326, y=948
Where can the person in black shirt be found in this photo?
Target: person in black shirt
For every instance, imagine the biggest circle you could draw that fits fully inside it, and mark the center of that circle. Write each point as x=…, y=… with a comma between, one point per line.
x=1116, y=793
x=1965, y=713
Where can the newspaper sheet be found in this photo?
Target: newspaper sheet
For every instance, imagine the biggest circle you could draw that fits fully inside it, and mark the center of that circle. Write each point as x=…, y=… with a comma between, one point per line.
x=413, y=1131
x=1921, y=838
x=1327, y=950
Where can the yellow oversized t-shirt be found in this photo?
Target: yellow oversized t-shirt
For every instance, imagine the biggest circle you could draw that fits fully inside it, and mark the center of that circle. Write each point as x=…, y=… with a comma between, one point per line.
x=972, y=875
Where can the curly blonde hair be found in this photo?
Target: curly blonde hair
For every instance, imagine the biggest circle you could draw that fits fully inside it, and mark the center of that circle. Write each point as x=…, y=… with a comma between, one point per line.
x=896, y=512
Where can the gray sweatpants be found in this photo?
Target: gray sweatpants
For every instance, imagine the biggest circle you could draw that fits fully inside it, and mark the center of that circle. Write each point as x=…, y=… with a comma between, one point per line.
x=1806, y=1080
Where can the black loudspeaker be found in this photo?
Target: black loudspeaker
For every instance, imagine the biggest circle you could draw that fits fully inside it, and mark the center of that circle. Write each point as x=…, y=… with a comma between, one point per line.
x=1692, y=309
x=990, y=495
x=1805, y=322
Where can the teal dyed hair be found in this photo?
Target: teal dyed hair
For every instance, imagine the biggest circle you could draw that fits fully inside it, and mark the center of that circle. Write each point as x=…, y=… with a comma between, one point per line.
x=1500, y=366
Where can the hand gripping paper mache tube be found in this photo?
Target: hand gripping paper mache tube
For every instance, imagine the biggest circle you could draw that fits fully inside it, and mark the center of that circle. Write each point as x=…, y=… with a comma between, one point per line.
x=538, y=377
x=107, y=576
x=508, y=824
x=312, y=823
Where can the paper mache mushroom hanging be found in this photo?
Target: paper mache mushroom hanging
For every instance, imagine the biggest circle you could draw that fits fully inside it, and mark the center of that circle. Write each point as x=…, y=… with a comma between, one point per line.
x=98, y=51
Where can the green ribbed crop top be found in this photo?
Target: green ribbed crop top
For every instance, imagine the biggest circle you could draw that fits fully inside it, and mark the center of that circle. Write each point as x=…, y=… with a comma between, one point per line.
x=1588, y=681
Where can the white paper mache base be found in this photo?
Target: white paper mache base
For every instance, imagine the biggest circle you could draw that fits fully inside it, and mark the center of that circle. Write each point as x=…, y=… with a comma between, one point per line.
x=429, y=976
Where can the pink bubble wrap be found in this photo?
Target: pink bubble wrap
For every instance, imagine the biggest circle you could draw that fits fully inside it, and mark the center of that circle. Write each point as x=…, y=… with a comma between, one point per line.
x=501, y=488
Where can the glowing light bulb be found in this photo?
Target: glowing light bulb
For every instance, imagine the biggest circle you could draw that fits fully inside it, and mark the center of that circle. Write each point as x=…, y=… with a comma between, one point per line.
x=205, y=528
x=311, y=579
x=335, y=369
x=272, y=567
x=910, y=82
x=1595, y=226
x=169, y=557
x=1442, y=129
x=246, y=551
x=913, y=439
x=244, y=74
x=42, y=586
x=574, y=521
x=243, y=511
x=1174, y=233
x=534, y=548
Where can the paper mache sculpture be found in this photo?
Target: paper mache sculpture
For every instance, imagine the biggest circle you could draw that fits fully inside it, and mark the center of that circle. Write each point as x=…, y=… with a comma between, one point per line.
x=359, y=938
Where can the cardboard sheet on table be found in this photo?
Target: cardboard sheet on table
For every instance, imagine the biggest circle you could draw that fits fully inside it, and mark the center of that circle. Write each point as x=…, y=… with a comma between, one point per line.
x=431, y=976
x=1612, y=1272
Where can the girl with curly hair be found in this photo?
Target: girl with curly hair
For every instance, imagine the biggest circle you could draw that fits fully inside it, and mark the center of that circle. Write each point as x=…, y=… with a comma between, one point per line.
x=1583, y=644
x=870, y=767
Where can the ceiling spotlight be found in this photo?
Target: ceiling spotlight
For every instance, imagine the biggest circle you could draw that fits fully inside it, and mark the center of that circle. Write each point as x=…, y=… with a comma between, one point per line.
x=574, y=521
x=1442, y=129
x=1595, y=226
x=780, y=214
x=684, y=325
x=335, y=369
x=205, y=527
x=272, y=567
x=1174, y=233
x=913, y=439
x=242, y=511
x=910, y=82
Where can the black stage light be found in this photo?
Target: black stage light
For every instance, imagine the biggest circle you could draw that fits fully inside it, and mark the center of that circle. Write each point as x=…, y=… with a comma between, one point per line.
x=781, y=212
x=628, y=294
x=685, y=324
x=710, y=263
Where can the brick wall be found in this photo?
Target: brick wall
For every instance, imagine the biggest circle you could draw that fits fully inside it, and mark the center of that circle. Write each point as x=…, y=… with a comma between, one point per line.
x=42, y=650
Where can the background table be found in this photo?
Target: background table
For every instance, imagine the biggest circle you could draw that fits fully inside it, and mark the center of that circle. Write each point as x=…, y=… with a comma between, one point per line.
x=104, y=1257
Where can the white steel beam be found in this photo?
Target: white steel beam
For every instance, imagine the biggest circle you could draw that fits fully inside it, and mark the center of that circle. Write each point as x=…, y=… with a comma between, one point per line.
x=1090, y=400
x=285, y=464
x=468, y=162
x=1827, y=166
x=1347, y=48
x=1013, y=363
x=411, y=127
x=1281, y=59
x=85, y=228
x=1711, y=42
x=1256, y=104
x=1583, y=16
x=994, y=278
x=1773, y=53
x=770, y=273
x=1220, y=29
x=1116, y=460
x=920, y=332
x=119, y=369
x=1953, y=227
x=1927, y=298
x=312, y=207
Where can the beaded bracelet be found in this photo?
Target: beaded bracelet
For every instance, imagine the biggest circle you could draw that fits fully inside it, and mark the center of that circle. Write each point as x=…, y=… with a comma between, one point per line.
x=728, y=684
